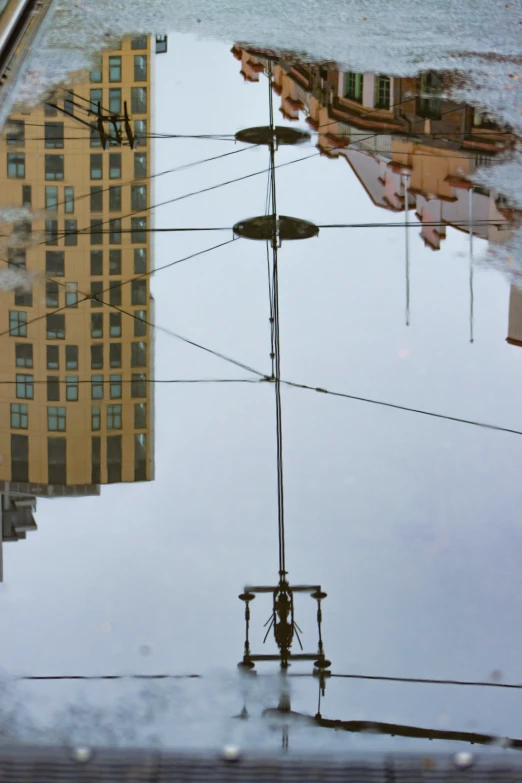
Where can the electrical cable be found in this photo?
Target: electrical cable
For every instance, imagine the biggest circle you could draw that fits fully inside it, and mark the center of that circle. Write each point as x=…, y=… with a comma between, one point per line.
x=402, y=408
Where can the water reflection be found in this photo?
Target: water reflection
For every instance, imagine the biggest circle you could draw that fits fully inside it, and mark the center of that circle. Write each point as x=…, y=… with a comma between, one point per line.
x=76, y=372
x=410, y=147
x=78, y=401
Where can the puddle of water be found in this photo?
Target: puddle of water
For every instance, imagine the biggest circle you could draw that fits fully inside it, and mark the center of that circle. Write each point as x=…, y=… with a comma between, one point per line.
x=400, y=331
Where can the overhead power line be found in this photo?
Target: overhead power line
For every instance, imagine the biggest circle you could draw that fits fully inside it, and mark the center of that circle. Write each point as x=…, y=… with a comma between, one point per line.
x=402, y=407
x=300, y=675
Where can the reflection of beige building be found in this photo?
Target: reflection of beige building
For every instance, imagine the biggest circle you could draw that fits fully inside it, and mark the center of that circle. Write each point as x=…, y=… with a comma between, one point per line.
x=397, y=134
x=396, y=131
x=76, y=405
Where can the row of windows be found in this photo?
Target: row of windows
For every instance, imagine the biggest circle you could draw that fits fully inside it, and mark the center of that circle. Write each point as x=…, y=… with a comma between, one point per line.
x=55, y=322
x=54, y=170
x=57, y=458
x=353, y=89
x=24, y=352
x=140, y=126
x=55, y=263
x=98, y=229
x=138, y=100
x=138, y=197
x=56, y=417
x=25, y=387
x=140, y=69
x=140, y=263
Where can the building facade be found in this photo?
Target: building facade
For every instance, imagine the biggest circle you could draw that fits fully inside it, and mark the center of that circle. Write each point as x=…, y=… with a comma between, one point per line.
x=76, y=346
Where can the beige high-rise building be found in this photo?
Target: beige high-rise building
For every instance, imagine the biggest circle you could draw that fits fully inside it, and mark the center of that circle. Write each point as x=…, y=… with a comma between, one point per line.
x=76, y=351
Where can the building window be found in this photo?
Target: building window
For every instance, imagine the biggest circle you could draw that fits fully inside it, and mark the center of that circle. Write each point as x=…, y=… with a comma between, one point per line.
x=71, y=294
x=71, y=232
x=55, y=326
x=161, y=44
x=138, y=230
x=96, y=293
x=115, y=324
x=113, y=459
x=115, y=387
x=429, y=102
x=115, y=69
x=140, y=415
x=57, y=460
x=51, y=198
x=95, y=418
x=97, y=356
x=140, y=260
x=138, y=354
x=115, y=199
x=27, y=196
x=96, y=98
x=138, y=292
x=96, y=232
x=68, y=102
x=56, y=419
x=140, y=457
x=115, y=354
x=115, y=231
x=96, y=165
x=115, y=101
x=96, y=325
x=116, y=126
x=24, y=355
x=140, y=68
x=138, y=197
x=23, y=298
x=51, y=294
x=96, y=460
x=140, y=323
x=22, y=229
x=382, y=92
x=138, y=100
x=115, y=165
x=53, y=135
x=97, y=72
x=115, y=262
x=97, y=387
x=95, y=136
x=71, y=357
x=16, y=165
x=114, y=417
x=140, y=42
x=69, y=200
x=53, y=357
x=138, y=385
x=18, y=323
x=55, y=263
x=140, y=132
x=19, y=416
x=54, y=167
x=140, y=165
x=53, y=388
x=50, y=110
x=353, y=86
x=51, y=232
x=115, y=292
x=96, y=262
x=19, y=458
x=16, y=257
x=71, y=388
x=15, y=133
x=24, y=387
